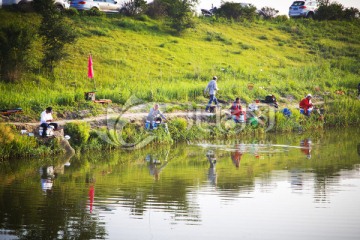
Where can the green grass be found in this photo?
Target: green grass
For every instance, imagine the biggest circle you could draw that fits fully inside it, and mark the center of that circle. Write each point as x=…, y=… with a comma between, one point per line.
x=143, y=58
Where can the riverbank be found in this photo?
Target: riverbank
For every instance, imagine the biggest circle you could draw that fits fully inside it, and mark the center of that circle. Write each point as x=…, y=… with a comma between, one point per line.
x=126, y=130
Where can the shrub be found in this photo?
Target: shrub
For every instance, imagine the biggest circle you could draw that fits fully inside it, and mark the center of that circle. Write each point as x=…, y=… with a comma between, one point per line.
x=269, y=12
x=71, y=12
x=333, y=11
x=134, y=7
x=15, y=46
x=6, y=135
x=179, y=12
x=281, y=18
x=236, y=11
x=94, y=12
x=178, y=129
x=78, y=131
x=156, y=9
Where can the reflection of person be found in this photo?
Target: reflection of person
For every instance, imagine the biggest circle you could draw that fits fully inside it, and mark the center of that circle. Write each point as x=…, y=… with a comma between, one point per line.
x=211, y=88
x=47, y=176
x=212, y=168
x=306, y=147
x=46, y=120
x=306, y=105
x=236, y=157
x=154, y=166
x=155, y=115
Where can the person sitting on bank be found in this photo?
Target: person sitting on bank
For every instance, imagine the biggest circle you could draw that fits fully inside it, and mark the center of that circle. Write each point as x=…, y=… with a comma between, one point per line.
x=306, y=105
x=236, y=111
x=271, y=100
x=46, y=120
x=155, y=115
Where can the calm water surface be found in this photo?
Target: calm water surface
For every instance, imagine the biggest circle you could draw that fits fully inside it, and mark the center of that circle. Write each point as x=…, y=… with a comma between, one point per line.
x=281, y=187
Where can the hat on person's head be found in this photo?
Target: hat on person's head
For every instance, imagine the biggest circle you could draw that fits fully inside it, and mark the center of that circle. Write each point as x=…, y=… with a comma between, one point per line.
x=309, y=95
x=214, y=77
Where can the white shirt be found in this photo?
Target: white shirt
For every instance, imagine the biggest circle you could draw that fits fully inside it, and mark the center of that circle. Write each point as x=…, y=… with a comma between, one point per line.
x=212, y=87
x=44, y=117
x=153, y=114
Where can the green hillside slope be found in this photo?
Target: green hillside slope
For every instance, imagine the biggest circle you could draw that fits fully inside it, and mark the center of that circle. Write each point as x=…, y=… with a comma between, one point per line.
x=142, y=57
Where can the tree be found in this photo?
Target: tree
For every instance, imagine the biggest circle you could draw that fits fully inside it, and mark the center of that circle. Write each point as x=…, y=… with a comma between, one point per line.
x=333, y=11
x=324, y=2
x=269, y=12
x=237, y=11
x=351, y=13
x=180, y=13
x=55, y=32
x=15, y=46
x=134, y=7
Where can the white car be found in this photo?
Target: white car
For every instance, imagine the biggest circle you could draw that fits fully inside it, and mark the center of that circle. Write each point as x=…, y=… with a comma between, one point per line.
x=108, y=6
x=303, y=9
x=60, y=4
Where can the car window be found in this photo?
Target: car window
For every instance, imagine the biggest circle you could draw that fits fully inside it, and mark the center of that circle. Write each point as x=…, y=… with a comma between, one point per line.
x=110, y=1
x=298, y=3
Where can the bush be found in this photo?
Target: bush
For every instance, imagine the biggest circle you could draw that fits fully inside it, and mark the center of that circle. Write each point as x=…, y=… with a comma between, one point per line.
x=156, y=9
x=71, y=12
x=178, y=129
x=179, y=12
x=333, y=11
x=15, y=46
x=94, y=12
x=281, y=18
x=134, y=7
x=78, y=131
x=269, y=12
x=236, y=11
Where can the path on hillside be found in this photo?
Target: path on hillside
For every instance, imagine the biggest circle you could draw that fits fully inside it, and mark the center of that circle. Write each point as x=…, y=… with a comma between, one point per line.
x=136, y=116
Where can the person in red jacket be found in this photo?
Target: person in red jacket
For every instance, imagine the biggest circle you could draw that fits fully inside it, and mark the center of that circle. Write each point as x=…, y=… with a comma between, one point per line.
x=306, y=105
x=236, y=111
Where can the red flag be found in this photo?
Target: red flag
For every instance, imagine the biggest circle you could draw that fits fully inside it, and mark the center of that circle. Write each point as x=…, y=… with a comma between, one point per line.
x=90, y=67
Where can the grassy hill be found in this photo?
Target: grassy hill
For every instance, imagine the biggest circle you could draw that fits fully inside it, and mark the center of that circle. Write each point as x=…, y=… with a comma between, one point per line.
x=144, y=58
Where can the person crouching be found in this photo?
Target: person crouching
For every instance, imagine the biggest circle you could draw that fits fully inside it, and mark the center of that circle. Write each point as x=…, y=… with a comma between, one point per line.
x=306, y=105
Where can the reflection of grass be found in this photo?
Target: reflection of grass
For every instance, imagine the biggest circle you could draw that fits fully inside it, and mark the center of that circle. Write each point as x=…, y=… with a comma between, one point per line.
x=141, y=57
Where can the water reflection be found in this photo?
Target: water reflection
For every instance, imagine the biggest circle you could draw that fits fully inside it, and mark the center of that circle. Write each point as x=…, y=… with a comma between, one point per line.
x=306, y=146
x=155, y=165
x=237, y=154
x=212, y=177
x=200, y=191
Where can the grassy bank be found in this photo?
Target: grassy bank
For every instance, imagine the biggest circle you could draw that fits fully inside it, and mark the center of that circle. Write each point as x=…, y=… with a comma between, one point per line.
x=142, y=57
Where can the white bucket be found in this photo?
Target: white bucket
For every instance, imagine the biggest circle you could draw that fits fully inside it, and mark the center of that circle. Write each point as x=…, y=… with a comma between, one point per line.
x=49, y=131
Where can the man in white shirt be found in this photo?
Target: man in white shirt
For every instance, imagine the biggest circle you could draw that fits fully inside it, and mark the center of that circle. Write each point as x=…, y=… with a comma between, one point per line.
x=211, y=88
x=46, y=120
x=155, y=115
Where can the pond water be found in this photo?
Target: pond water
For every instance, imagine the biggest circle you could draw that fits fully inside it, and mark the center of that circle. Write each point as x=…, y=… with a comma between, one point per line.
x=279, y=187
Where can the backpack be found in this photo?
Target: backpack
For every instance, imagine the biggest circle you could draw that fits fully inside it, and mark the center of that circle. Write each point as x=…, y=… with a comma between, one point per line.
x=270, y=99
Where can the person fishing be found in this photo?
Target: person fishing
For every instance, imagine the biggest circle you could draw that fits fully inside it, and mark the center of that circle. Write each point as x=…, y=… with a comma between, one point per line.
x=46, y=120
x=306, y=105
x=155, y=115
x=236, y=111
x=211, y=89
